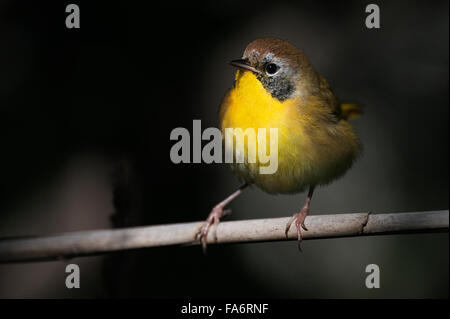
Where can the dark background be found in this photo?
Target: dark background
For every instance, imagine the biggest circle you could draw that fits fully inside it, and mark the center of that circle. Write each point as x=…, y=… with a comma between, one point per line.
x=85, y=119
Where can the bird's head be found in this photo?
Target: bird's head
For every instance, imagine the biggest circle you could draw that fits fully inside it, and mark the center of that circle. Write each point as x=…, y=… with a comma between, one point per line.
x=283, y=70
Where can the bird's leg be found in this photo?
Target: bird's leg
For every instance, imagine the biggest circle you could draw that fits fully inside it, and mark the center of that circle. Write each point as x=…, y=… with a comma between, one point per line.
x=300, y=218
x=214, y=216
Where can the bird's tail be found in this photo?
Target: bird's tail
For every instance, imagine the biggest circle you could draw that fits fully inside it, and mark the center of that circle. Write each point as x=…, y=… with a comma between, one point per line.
x=351, y=110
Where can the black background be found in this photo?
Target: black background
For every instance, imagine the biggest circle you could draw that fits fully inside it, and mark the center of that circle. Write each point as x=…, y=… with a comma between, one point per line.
x=111, y=92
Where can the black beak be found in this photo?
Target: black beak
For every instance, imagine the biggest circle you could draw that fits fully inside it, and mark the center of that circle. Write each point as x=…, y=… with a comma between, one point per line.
x=244, y=65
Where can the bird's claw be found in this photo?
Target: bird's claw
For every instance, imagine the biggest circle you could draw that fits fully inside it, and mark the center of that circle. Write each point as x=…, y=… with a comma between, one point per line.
x=213, y=219
x=299, y=219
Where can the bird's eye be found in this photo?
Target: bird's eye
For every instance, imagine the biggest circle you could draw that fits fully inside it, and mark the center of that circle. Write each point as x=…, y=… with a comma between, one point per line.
x=271, y=68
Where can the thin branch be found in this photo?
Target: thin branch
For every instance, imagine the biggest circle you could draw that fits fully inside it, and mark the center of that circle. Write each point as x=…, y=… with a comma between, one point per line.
x=257, y=230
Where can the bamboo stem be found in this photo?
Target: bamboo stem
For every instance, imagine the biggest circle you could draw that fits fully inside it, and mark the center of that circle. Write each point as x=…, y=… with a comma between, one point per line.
x=257, y=230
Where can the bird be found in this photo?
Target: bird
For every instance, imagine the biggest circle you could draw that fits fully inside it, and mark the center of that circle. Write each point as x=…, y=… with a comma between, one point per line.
x=276, y=86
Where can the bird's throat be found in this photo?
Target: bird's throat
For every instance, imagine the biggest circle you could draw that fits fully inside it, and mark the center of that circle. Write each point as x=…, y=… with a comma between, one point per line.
x=251, y=105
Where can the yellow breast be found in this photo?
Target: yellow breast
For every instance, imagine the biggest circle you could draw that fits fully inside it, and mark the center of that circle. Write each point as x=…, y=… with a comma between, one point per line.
x=310, y=152
x=249, y=105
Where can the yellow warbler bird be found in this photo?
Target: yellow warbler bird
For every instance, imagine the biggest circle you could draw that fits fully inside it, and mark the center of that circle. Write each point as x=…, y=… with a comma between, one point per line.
x=277, y=87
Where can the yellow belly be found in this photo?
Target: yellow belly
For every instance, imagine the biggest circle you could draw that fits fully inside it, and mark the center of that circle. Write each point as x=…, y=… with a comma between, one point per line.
x=303, y=160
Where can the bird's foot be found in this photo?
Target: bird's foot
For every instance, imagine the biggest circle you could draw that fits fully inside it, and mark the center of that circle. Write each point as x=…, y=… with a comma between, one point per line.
x=299, y=219
x=213, y=219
